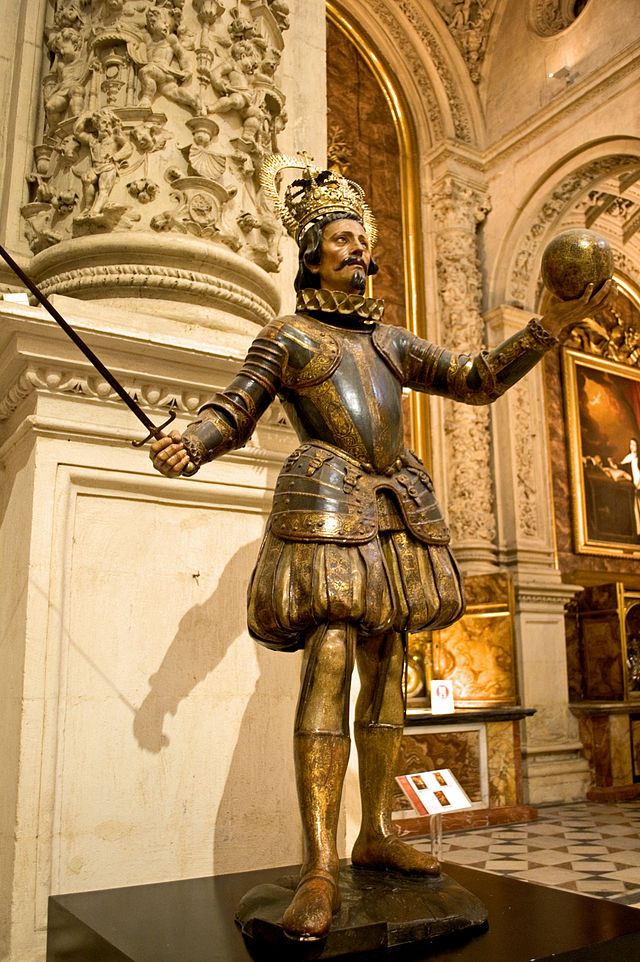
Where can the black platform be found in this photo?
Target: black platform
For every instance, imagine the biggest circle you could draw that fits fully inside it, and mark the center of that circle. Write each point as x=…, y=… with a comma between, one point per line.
x=193, y=921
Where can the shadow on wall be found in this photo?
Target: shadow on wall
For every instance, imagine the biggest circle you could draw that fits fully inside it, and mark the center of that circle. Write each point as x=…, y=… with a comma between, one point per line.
x=261, y=777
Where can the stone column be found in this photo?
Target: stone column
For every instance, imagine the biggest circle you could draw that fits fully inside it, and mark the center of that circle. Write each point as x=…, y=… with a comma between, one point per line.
x=554, y=769
x=458, y=207
x=155, y=120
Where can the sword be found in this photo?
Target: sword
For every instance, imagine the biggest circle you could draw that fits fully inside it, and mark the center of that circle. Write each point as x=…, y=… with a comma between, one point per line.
x=155, y=431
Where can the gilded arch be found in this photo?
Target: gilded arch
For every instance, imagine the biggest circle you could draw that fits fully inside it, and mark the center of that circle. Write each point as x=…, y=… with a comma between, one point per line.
x=416, y=45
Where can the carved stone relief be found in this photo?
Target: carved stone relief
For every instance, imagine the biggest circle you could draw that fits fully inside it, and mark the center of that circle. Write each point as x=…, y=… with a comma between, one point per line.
x=152, y=395
x=469, y=22
x=549, y=17
x=614, y=335
x=525, y=450
x=157, y=115
x=552, y=209
x=461, y=122
x=458, y=209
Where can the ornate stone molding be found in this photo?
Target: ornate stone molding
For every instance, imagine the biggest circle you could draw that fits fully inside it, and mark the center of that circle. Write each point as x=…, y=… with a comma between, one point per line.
x=549, y=212
x=469, y=24
x=150, y=395
x=457, y=210
x=188, y=284
x=157, y=116
x=54, y=379
x=142, y=265
x=459, y=114
x=526, y=483
x=611, y=336
x=549, y=17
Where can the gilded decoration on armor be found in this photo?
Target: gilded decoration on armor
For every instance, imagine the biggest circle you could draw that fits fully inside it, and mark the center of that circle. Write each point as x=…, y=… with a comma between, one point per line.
x=158, y=115
x=355, y=554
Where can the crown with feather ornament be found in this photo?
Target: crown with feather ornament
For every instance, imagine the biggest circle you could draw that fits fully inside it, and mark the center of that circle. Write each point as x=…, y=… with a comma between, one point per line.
x=314, y=195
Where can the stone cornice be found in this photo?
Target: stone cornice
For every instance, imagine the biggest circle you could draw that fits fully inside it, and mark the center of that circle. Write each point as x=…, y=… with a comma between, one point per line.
x=563, y=107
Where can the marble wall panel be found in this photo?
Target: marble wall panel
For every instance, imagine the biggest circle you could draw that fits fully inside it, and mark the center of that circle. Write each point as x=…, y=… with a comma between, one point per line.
x=635, y=746
x=620, y=742
x=502, y=764
x=594, y=735
x=460, y=751
x=476, y=654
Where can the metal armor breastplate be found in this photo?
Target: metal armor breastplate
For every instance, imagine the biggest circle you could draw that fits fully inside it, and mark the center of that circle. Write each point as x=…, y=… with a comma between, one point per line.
x=338, y=389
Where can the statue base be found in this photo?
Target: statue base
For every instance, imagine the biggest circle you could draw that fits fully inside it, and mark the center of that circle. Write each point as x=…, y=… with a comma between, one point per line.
x=380, y=910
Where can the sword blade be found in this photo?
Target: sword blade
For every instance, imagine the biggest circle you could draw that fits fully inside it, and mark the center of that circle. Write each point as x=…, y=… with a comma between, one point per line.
x=110, y=378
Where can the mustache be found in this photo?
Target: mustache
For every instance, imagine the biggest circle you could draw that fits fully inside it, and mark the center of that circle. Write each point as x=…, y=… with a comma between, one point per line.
x=351, y=260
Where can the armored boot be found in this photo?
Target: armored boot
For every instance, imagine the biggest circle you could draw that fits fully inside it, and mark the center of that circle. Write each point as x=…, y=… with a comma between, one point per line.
x=321, y=762
x=377, y=846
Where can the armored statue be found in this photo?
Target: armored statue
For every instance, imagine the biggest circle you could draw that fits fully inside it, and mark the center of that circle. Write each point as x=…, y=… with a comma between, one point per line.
x=356, y=552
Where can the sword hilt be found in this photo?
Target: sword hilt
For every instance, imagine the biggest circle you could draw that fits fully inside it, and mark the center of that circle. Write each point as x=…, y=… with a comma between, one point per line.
x=158, y=434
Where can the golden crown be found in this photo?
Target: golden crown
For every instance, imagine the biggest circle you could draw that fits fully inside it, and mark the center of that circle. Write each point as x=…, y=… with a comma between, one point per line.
x=314, y=195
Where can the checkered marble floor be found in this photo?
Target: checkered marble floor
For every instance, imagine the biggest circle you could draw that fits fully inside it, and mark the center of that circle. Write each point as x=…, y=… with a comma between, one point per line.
x=590, y=848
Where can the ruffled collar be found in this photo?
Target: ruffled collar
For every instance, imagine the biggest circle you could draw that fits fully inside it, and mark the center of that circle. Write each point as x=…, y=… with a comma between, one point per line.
x=338, y=302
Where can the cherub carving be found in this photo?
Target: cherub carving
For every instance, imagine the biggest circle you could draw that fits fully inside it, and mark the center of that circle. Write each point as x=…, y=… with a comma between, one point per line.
x=158, y=74
x=64, y=87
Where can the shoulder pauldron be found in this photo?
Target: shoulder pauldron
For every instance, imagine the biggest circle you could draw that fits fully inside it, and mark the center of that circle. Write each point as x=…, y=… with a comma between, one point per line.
x=312, y=352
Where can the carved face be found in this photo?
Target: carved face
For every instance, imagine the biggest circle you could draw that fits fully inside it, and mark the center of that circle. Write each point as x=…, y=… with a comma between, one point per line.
x=344, y=251
x=159, y=23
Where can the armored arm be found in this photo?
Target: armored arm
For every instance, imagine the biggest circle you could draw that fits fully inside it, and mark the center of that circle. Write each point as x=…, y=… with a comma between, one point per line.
x=477, y=379
x=228, y=420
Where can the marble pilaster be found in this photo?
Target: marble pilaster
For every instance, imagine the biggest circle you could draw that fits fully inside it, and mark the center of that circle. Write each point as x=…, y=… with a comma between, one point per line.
x=554, y=769
x=458, y=206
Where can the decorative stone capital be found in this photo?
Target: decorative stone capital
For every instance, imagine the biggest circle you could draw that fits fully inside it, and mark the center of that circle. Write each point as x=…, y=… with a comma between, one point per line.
x=458, y=205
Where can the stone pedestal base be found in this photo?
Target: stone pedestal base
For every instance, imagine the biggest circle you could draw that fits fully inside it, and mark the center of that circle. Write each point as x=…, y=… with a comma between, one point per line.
x=380, y=910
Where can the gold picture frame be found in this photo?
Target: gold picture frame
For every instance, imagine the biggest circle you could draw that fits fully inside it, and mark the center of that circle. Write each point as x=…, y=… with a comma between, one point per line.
x=602, y=407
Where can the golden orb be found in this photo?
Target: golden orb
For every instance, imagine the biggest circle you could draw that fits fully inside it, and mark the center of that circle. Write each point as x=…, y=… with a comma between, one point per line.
x=574, y=259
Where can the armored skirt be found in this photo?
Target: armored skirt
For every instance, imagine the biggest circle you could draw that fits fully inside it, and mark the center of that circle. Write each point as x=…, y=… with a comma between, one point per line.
x=394, y=582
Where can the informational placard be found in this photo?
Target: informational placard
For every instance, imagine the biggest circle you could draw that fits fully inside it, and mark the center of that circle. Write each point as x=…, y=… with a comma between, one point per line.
x=432, y=793
x=441, y=697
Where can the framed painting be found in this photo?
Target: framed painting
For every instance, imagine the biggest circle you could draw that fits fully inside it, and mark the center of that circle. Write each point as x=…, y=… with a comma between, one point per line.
x=602, y=404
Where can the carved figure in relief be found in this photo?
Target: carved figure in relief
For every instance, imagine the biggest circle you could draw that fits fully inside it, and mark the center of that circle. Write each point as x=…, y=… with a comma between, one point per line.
x=280, y=11
x=356, y=551
x=64, y=88
x=109, y=149
x=229, y=78
x=68, y=14
x=159, y=75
